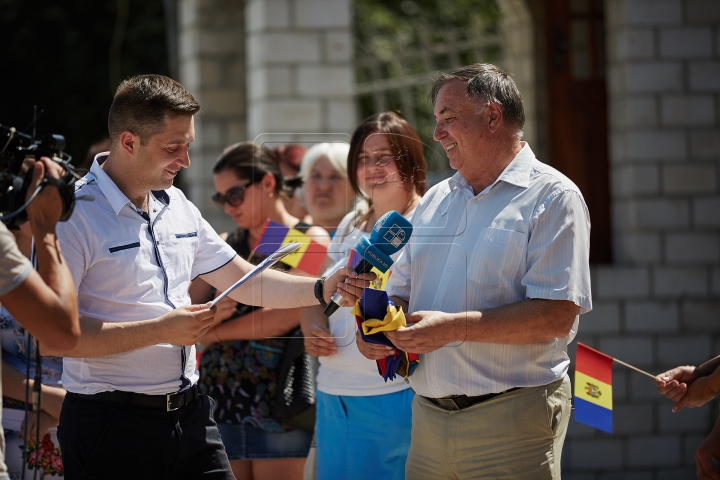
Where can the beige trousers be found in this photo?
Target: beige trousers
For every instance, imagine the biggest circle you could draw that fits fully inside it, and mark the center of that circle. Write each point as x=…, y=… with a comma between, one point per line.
x=513, y=436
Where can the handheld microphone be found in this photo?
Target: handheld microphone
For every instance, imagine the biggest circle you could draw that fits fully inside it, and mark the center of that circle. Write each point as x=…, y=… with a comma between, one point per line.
x=390, y=234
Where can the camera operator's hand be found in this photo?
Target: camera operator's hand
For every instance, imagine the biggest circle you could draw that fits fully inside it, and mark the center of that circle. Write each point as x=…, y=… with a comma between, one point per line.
x=44, y=212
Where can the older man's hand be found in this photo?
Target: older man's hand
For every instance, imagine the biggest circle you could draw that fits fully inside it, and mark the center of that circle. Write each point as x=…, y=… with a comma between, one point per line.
x=429, y=331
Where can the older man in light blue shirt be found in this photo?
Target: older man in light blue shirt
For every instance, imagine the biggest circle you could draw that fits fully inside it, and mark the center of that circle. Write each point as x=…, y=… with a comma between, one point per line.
x=494, y=279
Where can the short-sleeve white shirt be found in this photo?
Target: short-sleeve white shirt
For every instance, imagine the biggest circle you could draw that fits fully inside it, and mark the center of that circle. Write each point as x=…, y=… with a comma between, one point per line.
x=525, y=236
x=130, y=265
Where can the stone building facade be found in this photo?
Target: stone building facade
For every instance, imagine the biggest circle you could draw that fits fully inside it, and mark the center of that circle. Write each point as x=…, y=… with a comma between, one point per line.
x=658, y=305
x=281, y=70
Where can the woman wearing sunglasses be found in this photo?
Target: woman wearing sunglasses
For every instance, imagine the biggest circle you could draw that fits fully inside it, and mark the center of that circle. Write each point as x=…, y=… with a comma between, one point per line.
x=239, y=366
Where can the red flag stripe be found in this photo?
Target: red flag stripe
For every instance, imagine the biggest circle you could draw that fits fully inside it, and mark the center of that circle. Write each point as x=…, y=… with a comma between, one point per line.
x=593, y=363
x=313, y=258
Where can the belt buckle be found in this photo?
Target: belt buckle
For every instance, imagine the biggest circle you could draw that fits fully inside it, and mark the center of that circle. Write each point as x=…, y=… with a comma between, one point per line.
x=448, y=403
x=168, y=398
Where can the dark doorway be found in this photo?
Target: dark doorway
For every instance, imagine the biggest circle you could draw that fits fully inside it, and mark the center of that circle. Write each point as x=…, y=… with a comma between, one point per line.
x=577, y=108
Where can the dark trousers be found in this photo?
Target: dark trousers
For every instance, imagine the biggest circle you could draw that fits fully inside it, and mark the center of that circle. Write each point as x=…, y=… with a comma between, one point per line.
x=106, y=440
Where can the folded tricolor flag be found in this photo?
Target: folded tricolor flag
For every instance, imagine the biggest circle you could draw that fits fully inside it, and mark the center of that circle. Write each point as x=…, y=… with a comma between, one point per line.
x=307, y=258
x=376, y=314
x=593, y=388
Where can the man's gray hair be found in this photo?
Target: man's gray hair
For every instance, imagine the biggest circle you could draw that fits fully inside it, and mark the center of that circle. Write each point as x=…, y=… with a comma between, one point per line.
x=487, y=84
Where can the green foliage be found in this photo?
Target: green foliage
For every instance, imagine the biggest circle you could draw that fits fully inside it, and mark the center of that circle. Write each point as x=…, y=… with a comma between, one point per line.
x=382, y=27
x=56, y=55
x=408, y=40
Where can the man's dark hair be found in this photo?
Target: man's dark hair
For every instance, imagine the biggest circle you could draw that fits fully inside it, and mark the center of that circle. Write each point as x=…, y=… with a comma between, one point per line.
x=487, y=84
x=141, y=104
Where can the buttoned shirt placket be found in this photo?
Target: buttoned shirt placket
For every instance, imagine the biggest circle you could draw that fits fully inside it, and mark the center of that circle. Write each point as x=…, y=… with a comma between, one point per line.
x=151, y=220
x=460, y=240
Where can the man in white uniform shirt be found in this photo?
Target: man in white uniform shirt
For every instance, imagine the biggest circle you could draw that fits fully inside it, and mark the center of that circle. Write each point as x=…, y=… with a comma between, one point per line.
x=494, y=278
x=132, y=408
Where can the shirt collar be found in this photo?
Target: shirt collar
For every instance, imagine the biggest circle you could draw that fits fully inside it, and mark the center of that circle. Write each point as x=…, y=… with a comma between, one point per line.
x=113, y=194
x=516, y=173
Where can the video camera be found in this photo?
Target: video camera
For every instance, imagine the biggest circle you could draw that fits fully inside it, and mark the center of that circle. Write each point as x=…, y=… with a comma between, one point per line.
x=14, y=182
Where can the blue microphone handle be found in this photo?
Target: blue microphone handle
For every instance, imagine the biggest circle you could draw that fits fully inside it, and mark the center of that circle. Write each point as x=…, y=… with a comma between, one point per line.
x=337, y=300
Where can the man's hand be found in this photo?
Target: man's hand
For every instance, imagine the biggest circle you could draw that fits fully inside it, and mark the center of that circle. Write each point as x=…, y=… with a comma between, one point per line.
x=186, y=325
x=674, y=383
x=429, y=331
x=45, y=211
x=699, y=392
x=708, y=451
x=348, y=284
x=687, y=387
x=372, y=351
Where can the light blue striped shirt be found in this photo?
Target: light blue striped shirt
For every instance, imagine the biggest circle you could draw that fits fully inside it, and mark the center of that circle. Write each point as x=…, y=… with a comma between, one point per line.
x=525, y=236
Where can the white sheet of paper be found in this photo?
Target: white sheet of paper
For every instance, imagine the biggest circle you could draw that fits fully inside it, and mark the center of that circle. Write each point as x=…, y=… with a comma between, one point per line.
x=269, y=261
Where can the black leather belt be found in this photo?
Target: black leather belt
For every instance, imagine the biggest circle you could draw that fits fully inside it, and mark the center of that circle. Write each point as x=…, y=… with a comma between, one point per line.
x=170, y=402
x=460, y=402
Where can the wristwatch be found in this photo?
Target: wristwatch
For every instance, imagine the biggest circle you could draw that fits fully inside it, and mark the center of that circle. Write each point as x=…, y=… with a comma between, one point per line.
x=319, y=291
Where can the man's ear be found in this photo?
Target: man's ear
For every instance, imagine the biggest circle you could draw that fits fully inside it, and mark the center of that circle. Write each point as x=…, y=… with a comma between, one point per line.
x=494, y=117
x=129, y=142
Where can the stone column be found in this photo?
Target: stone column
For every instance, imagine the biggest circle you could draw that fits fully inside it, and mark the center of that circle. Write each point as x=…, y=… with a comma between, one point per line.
x=212, y=67
x=300, y=73
x=658, y=306
x=519, y=60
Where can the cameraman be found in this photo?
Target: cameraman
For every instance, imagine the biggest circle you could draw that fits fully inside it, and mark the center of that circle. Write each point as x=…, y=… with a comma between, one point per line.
x=43, y=301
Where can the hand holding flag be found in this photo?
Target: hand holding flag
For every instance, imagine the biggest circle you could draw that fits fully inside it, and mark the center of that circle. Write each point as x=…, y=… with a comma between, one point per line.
x=689, y=386
x=375, y=315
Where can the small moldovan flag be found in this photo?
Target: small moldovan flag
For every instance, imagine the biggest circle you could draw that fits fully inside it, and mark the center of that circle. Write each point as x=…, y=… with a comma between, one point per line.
x=308, y=258
x=593, y=388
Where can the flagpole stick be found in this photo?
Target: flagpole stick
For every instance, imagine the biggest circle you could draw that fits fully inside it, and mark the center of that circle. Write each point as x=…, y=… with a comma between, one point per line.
x=634, y=368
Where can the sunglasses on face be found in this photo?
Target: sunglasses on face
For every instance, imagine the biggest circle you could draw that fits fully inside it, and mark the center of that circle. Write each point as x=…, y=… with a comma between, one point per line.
x=234, y=196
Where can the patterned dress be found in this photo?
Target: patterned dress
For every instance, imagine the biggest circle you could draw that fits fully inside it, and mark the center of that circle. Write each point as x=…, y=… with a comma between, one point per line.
x=241, y=375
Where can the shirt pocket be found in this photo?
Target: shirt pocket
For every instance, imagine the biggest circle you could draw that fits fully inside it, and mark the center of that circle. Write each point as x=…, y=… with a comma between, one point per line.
x=497, y=259
x=178, y=251
x=124, y=247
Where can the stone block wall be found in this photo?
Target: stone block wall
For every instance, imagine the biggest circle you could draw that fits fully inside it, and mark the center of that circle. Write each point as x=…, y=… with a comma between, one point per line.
x=299, y=69
x=658, y=305
x=211, y=60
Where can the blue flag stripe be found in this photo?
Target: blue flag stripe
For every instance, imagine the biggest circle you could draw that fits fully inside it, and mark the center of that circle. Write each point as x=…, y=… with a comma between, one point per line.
x=593, y=415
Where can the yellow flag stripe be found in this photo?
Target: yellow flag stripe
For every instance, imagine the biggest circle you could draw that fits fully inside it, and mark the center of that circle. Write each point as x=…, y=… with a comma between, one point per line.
x=294, y=235
x=592, y=390
x=381, y=281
